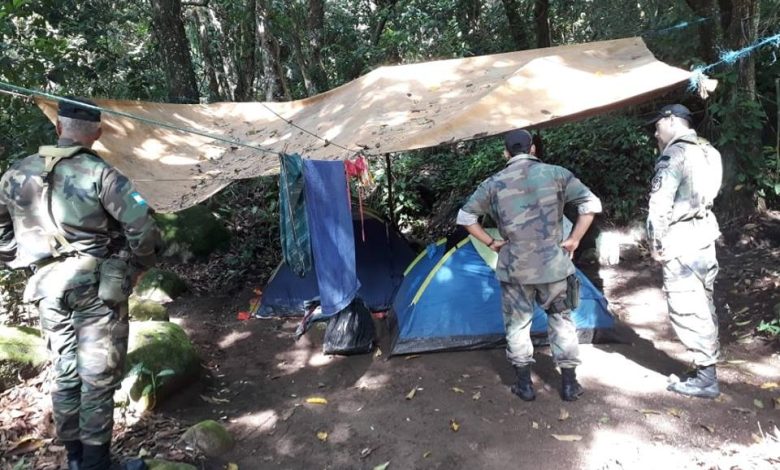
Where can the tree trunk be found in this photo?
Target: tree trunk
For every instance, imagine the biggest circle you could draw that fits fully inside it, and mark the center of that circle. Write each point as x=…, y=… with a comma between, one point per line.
x=225, y=58
x=516, y=25
x=542, y=21
x=208, y=59
x=303, y=66
x=175, y=51
x=742, y=32
x=316, y=27
x=269, y=80
x=707, y=29
x=246, y=64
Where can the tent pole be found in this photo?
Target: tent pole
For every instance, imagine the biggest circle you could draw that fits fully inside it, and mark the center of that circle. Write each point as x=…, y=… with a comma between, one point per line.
x=390, y=201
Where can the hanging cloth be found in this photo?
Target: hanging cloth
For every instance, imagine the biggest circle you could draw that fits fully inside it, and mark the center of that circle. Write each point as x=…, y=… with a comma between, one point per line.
x=357, y=168
x=332, y=235
x=294, y=227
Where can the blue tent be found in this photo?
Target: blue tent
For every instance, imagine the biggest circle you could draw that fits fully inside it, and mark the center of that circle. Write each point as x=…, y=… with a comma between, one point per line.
x=451, y=300
x=380, y=261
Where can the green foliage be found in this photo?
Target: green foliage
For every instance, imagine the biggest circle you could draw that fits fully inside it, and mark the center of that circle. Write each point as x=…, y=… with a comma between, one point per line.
x=12, y=284
x=614, y=155
x=149, y=391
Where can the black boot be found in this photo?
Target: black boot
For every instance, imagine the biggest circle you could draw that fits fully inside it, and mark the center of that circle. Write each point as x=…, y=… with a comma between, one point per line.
x=75, y=451
x=570, y=388
x=96, y=457
x=524, y=388
x=703, y=385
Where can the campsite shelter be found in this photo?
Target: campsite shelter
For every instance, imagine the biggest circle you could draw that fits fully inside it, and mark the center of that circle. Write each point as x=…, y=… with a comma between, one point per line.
x=450, y=299
x=380, y=261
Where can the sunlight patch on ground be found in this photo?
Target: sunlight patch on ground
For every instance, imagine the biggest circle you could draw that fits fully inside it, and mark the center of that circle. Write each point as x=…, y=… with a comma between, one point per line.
x=372, y=381
x=319, y=359
x=627, y=375
x=613, y=449
x=232, y=338
x=261, y=422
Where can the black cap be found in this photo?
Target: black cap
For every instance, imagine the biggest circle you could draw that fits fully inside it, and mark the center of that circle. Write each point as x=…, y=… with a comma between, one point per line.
x=518, y=141
x=74, y=111
x=673, y=110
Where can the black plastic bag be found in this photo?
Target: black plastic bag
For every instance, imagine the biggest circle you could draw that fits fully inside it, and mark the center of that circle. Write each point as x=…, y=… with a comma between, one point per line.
x=351, y=331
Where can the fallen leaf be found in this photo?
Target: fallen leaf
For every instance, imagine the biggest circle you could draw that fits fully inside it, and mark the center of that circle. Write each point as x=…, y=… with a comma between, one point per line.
x=322, y=435
x=534, y=425
x=465, y=376
x=567, y=437
x=366, y=452
x=674, y=412
x=413, y=356
x=214, y=400
x=769, y=385
x=411, y=393
x=776, y=403
x=232, y=466
x=742, y=323
x=25, y=445
x=743, y=410
x=604, y=420
x=454, y=425
x=564, y=415
x=457, y=390
x=758, y=403
x=427, y=454
x=736, y=361
x=649, y=412
x=378, y=353
x=756, y=438
x=317, y=401
x=476, y=396
x=709, y=429
x=382, y=466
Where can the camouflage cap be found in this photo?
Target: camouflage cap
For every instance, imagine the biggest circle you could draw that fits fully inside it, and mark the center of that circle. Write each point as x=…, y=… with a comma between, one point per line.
x=72, y=110
x=518, y=141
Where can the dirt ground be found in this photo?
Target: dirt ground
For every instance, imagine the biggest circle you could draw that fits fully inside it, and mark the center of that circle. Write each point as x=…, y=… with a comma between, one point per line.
x=455, y=410
x=462, y=414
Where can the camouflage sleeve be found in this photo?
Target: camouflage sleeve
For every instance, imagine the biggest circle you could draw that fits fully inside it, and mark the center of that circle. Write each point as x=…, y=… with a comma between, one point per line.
x=581, y=196
x=7, y=239
x=478, y=204
x=668, y=173
x=128, y=207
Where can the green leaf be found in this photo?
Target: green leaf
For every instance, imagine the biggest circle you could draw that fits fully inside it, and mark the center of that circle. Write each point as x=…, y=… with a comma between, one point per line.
x=147, y=390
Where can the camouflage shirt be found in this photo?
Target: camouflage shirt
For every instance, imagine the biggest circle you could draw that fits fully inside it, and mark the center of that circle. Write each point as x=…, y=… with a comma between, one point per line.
x=687, y=178
x=94, y=206
x=526, y=200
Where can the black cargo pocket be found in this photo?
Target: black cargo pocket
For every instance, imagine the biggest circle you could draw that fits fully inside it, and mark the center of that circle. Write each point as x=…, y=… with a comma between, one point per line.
x=572, y=292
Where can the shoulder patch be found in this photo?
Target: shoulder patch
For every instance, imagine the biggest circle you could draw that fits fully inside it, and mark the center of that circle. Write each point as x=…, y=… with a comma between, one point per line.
x=656, y=184
x=138, y=198
x=662, y=162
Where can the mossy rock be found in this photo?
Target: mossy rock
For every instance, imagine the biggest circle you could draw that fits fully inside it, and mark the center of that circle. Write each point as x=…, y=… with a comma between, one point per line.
x=161, y=350
x=147, y=310
x=195, y=231
x=157, y=464
x=209, y=437
x=22, y=354
x=159, y=285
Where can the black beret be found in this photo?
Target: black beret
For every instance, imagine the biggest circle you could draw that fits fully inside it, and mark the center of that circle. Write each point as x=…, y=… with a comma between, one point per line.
x=72, y=110
x=518, y=141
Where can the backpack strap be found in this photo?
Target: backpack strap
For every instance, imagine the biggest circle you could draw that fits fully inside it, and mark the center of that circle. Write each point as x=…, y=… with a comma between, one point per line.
x=52, y=155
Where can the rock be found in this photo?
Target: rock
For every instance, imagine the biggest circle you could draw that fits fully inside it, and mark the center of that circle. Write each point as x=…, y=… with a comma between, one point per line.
x=160, y=360
x=22, y=354
x=192, y=232
x=209, y=437
x=157, y=464
x=159, y=285
x=147, y=310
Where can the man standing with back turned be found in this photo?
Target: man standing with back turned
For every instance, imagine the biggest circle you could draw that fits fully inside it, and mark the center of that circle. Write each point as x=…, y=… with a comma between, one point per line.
x=526, y=200
x=682, y=230
x=68, y=216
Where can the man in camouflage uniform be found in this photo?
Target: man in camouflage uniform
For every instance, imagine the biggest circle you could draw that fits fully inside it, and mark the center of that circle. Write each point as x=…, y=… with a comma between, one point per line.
x=682, y=230
x=526, y=200
x=64, y=212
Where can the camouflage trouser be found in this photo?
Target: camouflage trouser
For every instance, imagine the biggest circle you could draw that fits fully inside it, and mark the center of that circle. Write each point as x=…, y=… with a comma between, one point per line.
x=688, y=283
x=518, y=306
x=87, y=340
